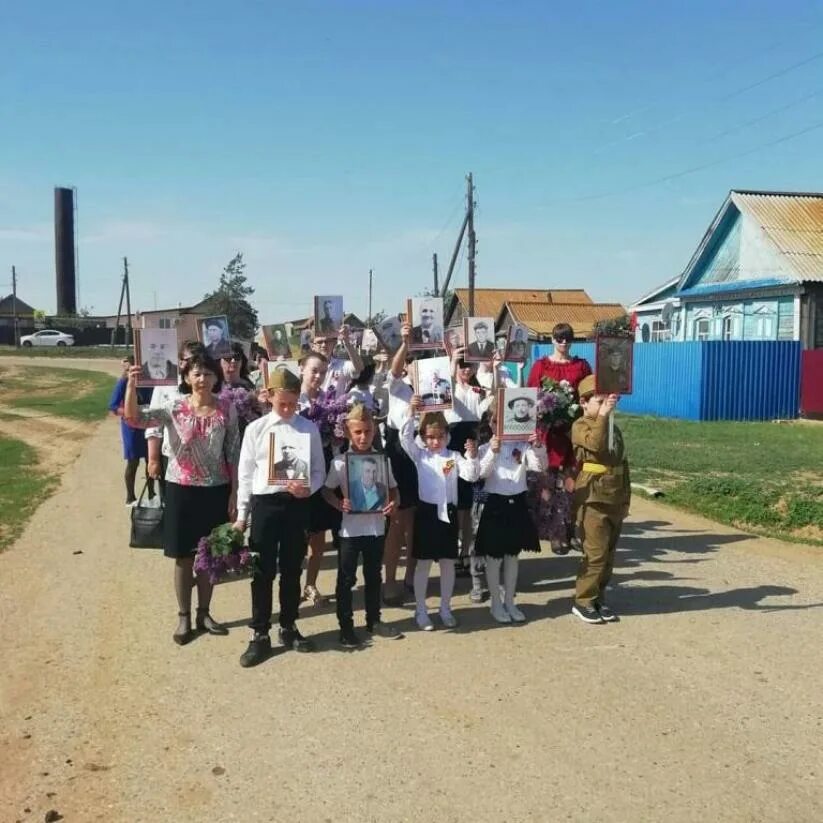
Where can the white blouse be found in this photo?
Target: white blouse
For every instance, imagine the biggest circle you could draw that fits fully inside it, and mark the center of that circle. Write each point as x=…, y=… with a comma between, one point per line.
x=505, y=472
x=469, y=404
x=437, y=472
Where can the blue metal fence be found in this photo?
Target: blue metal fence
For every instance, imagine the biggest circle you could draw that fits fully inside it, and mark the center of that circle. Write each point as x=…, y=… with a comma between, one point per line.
x=717, y=380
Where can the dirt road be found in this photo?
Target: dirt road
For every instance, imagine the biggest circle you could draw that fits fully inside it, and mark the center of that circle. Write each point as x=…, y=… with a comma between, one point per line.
x=704, y=703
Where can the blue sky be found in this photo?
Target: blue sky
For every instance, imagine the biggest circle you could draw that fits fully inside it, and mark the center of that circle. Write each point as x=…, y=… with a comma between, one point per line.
x=325, y=138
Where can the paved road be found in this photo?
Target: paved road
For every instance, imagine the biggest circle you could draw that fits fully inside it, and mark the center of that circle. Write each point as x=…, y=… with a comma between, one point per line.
x=704, y=703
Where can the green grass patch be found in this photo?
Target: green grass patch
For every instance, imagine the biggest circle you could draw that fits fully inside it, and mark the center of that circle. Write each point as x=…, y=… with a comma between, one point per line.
x=67, y=352
x=73, y=393
x=766, y=478
x=23, y=487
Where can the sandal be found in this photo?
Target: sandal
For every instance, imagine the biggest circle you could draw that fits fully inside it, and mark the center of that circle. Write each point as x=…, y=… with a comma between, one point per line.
x=187, y=635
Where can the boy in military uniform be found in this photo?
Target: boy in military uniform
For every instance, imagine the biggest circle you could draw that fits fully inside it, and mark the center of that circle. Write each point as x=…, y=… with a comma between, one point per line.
x=602, y=497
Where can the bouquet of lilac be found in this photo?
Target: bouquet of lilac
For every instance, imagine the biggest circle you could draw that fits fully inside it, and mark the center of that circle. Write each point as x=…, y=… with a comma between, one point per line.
x=328, y=412
x=245, y=401
x=223, y=551
x=557, y=405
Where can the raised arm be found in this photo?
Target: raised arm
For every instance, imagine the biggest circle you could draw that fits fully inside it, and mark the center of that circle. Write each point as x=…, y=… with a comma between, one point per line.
x=351, y=351
x=398, y=364
x=134, y=413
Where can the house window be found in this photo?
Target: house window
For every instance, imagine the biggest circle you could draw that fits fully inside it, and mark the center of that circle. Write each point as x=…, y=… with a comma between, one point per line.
x=785, y=320
x=660, y=331
x=727, y=328
x=164, y=323
x=701, y=329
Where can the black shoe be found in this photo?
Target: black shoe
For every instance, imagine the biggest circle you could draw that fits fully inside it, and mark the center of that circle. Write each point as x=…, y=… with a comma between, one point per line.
x=292, y=639
x=184, y=634
x=259, y=650
x=206, y=623
x=349, y=638
x=380, y=629
x=606, y=613
x=335, y=540
x=588, y=614
x=561, y=549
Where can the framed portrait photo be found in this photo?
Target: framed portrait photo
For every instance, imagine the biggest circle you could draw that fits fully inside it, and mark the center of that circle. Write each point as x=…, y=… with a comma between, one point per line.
x=516, y=413
x=155, y=351
x=369, y=343
x=613, y=364
x=454, y=338
x=328, y=315
x=276, y=340
x=478, y=333
x=367, y=480
x=517, y=344
x=306, y=338
x=269, y=367
x=289, y=458
x=425, y=316
x=433, y=383
x=389, y=333
x=214, y=335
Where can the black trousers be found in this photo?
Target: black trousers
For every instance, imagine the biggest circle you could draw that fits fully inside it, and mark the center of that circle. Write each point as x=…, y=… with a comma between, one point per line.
x=279, y=523
x=348, y=554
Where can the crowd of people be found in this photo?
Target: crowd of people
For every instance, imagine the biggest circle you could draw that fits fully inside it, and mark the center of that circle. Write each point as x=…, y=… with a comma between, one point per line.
x=453, y=494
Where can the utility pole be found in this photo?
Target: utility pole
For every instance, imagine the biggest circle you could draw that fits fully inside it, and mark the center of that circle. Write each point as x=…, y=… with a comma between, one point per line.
x=472, y=242
x=371, y=285
x=14, y=307
x=125, y=294
x=436, y=281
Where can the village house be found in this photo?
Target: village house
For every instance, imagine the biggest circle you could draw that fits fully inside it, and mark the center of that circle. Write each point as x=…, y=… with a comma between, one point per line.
x=537, y=309
x=756, y=275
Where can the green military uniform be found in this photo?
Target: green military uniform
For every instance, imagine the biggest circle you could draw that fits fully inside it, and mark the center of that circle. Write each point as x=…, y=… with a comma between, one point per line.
x=602, y=493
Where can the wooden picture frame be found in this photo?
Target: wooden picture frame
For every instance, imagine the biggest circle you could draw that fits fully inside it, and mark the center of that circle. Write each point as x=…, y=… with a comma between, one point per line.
x=613, y=364
x=276, y=341
x=280, y=474
x=358, y=495
x=156, y=352
x=516, y=418
x=432, y=379
x=482, y=351
x=430, y=310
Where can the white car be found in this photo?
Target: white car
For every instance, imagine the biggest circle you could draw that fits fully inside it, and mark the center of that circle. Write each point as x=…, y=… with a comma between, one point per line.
x=47, y=337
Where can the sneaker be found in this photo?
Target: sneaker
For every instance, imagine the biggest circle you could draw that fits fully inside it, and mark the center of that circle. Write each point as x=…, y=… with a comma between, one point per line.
x=380, y=629
x=349, y=638
x=500, y=614
x=259, y=649
x=448, y=620
x=588, y=614
x=424, y=622
x=606, y=613
x=479, y=595
x=516, y=615
x=312, y=596
x=292, y=639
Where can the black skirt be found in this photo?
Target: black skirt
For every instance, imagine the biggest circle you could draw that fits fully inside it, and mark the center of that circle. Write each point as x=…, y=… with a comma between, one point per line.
x=459, y=433
x=403, y=469
x=191, y=513
x=434, y=539
x=506, y=527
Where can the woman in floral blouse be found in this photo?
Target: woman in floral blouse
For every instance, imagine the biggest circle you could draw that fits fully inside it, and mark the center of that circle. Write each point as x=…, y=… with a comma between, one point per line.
x=201, y=479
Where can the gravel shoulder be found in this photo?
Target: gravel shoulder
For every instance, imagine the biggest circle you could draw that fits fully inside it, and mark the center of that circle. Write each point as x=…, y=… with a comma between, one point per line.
x=703, y=703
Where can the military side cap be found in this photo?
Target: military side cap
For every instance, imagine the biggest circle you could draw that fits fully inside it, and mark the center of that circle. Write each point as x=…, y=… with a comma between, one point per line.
x=586, y=386
x=284, y=380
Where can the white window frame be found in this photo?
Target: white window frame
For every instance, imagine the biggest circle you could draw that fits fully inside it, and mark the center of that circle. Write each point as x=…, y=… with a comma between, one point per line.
x=702, y=323
x=727, y=327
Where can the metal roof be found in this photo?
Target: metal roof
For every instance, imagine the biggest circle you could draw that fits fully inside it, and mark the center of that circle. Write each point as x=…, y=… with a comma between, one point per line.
x=488, y=302
x=794, y=223
x=541, y=318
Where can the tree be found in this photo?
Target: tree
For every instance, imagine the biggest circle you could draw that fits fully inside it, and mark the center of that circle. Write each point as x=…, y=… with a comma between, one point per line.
x=232, y=299
x=614, y=326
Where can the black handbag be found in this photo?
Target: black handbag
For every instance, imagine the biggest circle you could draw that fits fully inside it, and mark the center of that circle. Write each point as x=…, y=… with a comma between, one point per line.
x=146, y=524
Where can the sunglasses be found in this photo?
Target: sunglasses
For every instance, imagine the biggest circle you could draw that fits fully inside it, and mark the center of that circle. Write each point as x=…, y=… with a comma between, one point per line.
x=564, y=339
x=233, y=358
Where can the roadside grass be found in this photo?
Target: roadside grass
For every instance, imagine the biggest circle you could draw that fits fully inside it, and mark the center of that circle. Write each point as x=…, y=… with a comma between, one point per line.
x=72, y=393
x=765, y=478
x=62, y=352
x=22, y=487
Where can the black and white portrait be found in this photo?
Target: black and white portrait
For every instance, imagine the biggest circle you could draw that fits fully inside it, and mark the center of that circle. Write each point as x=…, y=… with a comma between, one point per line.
x=369, y=343
x=389, y=333
x=516, y=413
x=479, y=335
x=454, y=339
x=156, y=352
x=276, y=338
x=305, y=341
x=517, y=347
x=433, y=383
x=613, y=365
x=289, y=458
x=269, y=367
x=214, y=334
x=367, y=476
x=425, y=316
x=328, y=315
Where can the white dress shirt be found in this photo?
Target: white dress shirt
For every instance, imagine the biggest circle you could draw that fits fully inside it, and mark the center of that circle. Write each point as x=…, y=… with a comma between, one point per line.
x=436, y=482
x=370, y=524
x=504, y=473
x=253, y=468
x=468, y=405
x=339, y=375
x=400, y=395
